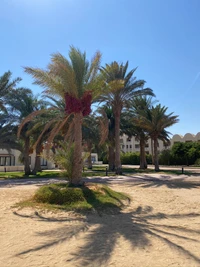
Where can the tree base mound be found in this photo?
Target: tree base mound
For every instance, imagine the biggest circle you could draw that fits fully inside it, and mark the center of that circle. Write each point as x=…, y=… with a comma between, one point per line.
x=89, y=196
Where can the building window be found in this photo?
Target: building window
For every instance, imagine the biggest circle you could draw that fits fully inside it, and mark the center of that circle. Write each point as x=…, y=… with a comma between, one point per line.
x=126, y=146
x=5, y=160
x=128, y=139
x=43, y=162
x=147, y=145
x=130, y=146
x=137, y=146
x=121, y=141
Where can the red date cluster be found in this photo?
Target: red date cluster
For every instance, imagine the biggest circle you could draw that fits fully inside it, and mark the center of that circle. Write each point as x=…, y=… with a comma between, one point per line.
x=75, y=105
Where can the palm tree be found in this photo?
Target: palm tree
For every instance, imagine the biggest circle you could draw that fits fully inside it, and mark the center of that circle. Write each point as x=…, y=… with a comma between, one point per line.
x=8, y=137
x=137, y=107
x=122, y=86
x=107, y=131
x=6, y=85
x=75, y=81
x=155, y=121
x=20, y=105
x=90, y=136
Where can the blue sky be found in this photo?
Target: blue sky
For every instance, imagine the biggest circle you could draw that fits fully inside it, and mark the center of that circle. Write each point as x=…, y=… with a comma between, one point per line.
x=161, y=37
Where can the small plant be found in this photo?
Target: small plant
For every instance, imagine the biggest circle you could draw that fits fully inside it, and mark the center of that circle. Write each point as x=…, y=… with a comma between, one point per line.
x=48, y=194
x=90, y=196
x=63, y=157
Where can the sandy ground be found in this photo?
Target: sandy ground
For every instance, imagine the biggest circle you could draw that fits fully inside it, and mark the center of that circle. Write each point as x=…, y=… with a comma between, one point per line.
x=161, y=227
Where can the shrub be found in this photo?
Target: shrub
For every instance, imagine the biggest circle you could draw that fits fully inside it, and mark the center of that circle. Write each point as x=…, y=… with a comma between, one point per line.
x=197, y=162
x=70, y=195
x=130, y=158
x=54, y=194
x=48, y=194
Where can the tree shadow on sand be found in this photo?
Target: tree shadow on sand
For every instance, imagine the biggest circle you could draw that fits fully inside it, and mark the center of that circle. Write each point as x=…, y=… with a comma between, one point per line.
x=101, y=233
x=172, y=183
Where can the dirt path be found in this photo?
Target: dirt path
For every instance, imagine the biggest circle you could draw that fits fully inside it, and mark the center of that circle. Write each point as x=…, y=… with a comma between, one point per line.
x=160, y=228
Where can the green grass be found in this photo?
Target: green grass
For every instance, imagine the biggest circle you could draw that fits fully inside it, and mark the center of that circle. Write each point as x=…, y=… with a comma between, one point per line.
x=101, y=171
x=136, y=170
x=96, y=171
x=85, y=198
x=20, y=175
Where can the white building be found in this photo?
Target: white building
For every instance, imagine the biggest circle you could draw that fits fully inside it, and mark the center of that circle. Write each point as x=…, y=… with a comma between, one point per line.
x=132, y=145
x=10, y=160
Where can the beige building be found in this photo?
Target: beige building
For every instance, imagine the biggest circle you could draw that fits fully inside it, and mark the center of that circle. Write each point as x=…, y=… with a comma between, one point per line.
x=188, y=137
x=9, y=161
x=132, y=145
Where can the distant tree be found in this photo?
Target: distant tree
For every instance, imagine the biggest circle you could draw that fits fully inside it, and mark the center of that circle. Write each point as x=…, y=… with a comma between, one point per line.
x=6, y=86
x=20, y=105
x=91, y=136
x=186, y=153
x=138, y=107
x=155, y=121
x=107, y=132
x=121, y=87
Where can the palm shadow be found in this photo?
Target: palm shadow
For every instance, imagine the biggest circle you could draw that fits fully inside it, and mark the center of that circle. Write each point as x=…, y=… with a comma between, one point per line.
x=148, y=181
x=102, y=232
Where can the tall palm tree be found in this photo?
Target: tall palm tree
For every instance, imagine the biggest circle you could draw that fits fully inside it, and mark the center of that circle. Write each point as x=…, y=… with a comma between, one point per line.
x=137, y=107
x=122, y=86
x=90, y=136
x=6, y=85
x=75, y=81
x=107, y=132
x=20, y=105
x=155, y=121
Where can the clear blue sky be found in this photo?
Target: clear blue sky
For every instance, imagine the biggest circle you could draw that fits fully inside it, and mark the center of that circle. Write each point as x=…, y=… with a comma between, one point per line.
x=161, y=37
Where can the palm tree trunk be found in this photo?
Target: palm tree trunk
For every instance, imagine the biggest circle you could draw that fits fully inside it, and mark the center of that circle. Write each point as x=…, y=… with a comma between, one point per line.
x=27, y=169
x=89, y=157
x=155, y=141
x=152, y=151
x=111, y=158
x=143, y=162
x=118, y=166
x=37, y=167
x=77, y=157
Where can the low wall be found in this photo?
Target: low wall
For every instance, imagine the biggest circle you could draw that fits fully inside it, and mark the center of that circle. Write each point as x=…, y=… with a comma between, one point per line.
x=11, y=168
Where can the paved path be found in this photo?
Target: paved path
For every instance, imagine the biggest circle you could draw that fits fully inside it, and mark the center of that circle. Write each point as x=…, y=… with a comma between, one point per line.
x=129, y=178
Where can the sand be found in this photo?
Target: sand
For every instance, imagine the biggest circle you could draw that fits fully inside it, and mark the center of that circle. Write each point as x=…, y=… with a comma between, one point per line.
x=160, y=227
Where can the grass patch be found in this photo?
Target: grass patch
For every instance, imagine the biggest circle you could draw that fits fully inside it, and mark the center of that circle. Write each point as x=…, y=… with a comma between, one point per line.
x=85, y=198
x=21, y=175
x=101, y=171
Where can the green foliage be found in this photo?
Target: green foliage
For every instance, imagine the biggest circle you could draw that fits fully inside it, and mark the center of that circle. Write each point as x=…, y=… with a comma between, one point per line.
x=58, y=194
x=130, y=158
x=197, y=162
x=133, y=158
x=165, y=157
x=91, y=196
x=185, y=153
x=64, y=158
x=48, y=194
x=20, y=175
